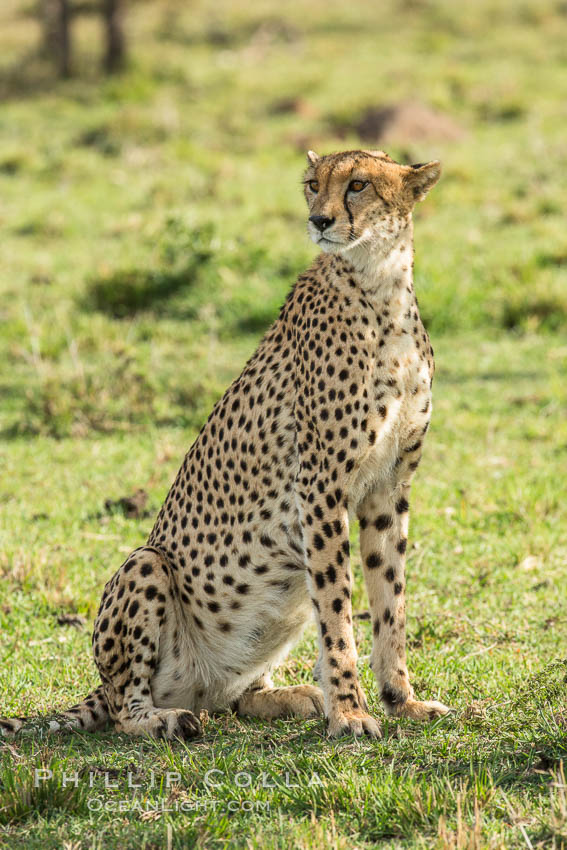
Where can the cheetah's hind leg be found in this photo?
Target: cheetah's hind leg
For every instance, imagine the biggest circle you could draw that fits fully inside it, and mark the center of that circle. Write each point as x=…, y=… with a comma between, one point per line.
x=139, y=604
x=264, y=701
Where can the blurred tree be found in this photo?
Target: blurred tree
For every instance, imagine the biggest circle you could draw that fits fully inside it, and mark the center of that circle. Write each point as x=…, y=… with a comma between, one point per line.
x=115, y=46
x=56, y=35
x=56, y=19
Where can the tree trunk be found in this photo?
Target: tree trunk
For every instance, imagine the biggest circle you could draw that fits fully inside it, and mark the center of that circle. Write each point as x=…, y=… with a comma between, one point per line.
x=56, y=34
x=115, y=45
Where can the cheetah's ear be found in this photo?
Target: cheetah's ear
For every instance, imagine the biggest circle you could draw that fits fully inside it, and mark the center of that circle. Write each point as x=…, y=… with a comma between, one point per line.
x=312, y=157
x=421, y=177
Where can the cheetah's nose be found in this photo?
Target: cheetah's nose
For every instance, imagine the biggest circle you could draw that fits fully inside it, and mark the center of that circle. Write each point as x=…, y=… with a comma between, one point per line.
x=321, y=222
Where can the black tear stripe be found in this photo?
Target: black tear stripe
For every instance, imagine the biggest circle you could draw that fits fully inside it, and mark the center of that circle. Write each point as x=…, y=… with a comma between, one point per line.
x=350, y=218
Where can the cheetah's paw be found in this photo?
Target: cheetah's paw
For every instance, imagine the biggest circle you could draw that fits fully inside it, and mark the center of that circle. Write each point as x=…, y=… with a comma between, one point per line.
x=416, y=710
x=355, y=722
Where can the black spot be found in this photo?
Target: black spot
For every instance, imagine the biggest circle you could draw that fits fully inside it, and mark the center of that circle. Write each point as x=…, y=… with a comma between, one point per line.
x=318, y=542
x=392, y=697
x=414, y=448
x=382, y=522
x=374, y=560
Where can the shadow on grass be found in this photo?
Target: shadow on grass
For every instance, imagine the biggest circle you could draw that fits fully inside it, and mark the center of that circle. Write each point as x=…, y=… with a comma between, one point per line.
x=125, y=292
x=397, y=803
x=184, y=253
x=548, y=313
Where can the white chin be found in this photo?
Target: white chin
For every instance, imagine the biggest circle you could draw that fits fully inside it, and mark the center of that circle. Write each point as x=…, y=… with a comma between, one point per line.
x=327, y=246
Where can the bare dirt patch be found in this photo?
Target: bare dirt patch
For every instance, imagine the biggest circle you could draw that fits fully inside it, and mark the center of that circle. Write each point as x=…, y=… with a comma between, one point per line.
x=399, y=123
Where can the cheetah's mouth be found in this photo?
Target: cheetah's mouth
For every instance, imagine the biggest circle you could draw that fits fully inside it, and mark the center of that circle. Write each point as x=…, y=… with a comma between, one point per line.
x=325, y=240
x=326, y=243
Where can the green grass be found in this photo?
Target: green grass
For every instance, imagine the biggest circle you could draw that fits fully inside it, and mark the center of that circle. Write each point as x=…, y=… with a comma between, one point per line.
x=151, y=226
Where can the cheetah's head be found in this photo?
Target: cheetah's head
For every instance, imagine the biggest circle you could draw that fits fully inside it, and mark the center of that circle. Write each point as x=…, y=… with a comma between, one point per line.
x=362, y=199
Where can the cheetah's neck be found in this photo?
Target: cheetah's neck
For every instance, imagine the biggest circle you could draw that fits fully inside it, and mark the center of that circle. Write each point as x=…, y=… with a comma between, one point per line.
x=384, y=271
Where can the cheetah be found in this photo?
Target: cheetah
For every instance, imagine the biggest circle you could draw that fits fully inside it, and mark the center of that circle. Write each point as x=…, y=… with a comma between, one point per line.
x=325, y=423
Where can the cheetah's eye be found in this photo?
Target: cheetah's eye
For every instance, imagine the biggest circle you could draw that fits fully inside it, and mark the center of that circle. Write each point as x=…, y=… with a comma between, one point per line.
x=357, y=186
x=314, y=185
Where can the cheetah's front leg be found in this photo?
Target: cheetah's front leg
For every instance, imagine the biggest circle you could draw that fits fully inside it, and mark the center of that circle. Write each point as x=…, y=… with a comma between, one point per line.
x=330, y=587
x=384, y=520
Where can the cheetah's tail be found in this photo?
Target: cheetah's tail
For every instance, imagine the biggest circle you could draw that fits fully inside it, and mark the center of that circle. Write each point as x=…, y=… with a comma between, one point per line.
x=89, y=715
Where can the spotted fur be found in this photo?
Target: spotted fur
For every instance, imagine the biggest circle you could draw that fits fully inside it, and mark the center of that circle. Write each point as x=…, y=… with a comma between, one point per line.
x=326, y=421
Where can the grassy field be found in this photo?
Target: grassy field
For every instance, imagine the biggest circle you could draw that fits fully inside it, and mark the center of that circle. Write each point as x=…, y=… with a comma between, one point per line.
x=152, y=224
